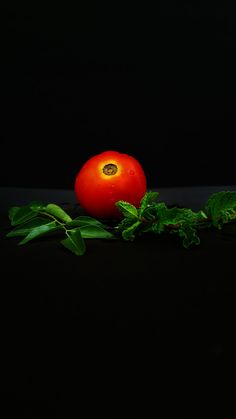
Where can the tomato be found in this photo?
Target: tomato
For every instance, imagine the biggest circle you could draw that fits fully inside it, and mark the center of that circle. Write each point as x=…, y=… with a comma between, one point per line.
x=107, y=178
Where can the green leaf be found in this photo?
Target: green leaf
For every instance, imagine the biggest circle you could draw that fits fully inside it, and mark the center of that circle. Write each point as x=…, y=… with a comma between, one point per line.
x=37, y=206
x=40, y=231
x=12, y=213
x=58, y=213
x=149, y=213
x=95, y=232
x=74, y=242
x=174, y=217
x=82, y=220
x=189, y=235
x=124, y=224
x=26, y=227
x=147, y=200
x=19, y=215
x=129, y=233
x=221, y=207
x=127, y=209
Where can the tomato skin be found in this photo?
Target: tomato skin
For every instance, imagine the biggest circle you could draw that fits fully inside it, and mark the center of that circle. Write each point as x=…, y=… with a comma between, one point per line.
x=97, y=191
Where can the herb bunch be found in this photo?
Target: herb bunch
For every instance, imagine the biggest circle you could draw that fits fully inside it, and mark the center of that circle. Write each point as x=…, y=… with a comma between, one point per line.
x=37, y=219
x=153, y=216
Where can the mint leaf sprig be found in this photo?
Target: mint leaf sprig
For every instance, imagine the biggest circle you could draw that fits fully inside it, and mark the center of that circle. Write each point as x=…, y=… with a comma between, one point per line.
x=37, y=219
x=157, y=218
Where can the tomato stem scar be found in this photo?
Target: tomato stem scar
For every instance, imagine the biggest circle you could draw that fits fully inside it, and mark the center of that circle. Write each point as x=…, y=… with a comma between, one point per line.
x=110, y=169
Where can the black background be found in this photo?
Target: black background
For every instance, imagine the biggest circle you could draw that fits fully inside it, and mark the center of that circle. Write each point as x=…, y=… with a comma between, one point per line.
x=156, y=83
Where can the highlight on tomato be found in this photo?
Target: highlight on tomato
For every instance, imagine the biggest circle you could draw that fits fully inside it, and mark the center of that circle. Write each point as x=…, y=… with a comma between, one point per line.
x=106, y=178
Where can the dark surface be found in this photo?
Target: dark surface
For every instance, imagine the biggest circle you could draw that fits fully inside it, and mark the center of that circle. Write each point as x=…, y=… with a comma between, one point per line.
x=114, y=313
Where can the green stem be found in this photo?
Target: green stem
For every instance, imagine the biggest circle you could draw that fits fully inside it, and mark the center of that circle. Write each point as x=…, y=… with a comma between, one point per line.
x=52, y=216
x=57, y=221
x=62, y=225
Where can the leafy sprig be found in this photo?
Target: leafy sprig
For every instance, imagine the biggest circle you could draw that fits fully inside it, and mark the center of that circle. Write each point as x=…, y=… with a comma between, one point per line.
x=157, y=217
x=38, y=219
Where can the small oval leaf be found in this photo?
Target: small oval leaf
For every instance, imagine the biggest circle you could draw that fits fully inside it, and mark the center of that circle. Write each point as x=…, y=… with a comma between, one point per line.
x=58, y=212
x=74, y=242
x=40, y=231
x=95, y=232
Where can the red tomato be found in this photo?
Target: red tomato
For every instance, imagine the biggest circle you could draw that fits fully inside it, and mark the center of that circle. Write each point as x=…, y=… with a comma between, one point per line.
x=107, y=178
